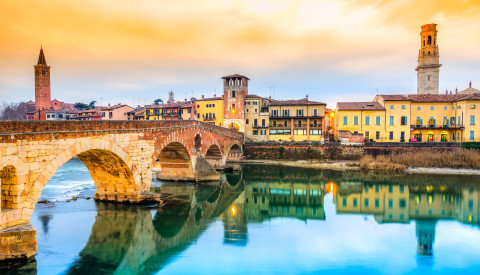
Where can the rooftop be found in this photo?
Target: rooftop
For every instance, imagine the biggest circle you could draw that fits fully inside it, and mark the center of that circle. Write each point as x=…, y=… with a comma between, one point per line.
x=353, y=106
x=294, y=102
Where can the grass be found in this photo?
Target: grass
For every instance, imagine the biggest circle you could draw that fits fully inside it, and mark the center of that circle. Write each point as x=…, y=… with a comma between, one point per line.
x=459, y=158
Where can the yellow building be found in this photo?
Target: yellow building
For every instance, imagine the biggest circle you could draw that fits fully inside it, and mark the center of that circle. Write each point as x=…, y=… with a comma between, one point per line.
x=153, y=112
x=418, y=118
x=296, y=120
x=365, y=118
x=210, y=110
x=256, y=118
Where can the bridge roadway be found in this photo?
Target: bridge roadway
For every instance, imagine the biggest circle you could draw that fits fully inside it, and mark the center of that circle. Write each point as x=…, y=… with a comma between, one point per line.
x=119, y=155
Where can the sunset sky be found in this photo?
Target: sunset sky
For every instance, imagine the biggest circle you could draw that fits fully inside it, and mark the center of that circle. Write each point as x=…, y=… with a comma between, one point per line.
x=136, y=51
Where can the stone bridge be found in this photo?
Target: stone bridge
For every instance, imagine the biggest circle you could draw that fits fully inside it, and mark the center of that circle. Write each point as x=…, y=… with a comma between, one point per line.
x=119, y=155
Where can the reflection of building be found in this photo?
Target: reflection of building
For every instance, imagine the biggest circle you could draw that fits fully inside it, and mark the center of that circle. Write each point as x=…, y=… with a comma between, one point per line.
x=235, y=224
x=402, y=203
x=283, y=199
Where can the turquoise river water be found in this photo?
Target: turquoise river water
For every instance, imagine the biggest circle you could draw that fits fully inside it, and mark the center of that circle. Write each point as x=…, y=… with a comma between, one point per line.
x=263, y=220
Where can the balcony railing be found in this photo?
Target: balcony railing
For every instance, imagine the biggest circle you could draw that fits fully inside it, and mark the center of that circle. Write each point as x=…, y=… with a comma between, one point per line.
x=436, y=126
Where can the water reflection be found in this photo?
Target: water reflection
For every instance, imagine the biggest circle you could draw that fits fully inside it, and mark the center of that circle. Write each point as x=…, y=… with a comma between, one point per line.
x=145, y=239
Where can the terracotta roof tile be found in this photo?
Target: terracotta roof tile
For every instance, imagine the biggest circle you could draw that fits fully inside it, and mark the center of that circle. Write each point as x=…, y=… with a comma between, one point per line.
x=294, y=102
x=351, y=106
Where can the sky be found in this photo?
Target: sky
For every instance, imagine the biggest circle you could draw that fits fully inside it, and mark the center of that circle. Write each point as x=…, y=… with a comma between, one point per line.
x=134, y=52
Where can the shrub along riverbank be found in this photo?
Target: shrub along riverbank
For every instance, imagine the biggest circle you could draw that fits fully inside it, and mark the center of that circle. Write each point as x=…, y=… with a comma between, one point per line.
x=458, y=159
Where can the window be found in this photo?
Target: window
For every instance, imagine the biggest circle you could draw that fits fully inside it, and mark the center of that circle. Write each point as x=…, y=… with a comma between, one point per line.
x=377, y=135
x=392, y=119
x=247, y=103
x=198, y=106
x=377, y=120
x=390, y=135
x=345, y=120
x=445, y=108
x=472, y=107
x=263, y=132
x=458, y=136
x=274, y=112
x=403, y=120
x=419, y=108
x=355, y=202
x=286, y=113
x=472, y=135
x=213, y=105
x=458, y=121
x=472, y=120
x=233, y=93
x=355, y=120
x=367, y=120
x=255, y=103
x=377, y=188
x=246, y=110
x=366, y=202
x=344, y=202
x=390, y=203
x=246, y=121
x=402, y=188
x=110, y=114
x=392, y=107
x=198, y=115
x=300, y=112
x=263, y=122
x=256, y=110
x=255, y=132
x=402, y=203
x=377, y=203
x=402, y=136
x=315, y=112
x=432, y=108
x=403, y=107
x=255, y=123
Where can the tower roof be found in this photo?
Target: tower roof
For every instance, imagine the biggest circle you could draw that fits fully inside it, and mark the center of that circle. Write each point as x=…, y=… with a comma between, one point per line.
x=41, y=58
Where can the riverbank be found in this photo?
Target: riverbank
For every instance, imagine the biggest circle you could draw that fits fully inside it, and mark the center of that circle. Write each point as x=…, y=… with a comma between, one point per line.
x=354, y=165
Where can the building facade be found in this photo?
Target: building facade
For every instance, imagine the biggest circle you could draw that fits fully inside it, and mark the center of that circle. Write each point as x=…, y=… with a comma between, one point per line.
x=296, y=120
x=116, y=112
x=210, y=110
x=257, y=122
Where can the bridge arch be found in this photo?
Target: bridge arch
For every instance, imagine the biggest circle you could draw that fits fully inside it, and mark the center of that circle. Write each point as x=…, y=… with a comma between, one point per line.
x=111, y=168
x=235, y=152
x=214, y=156
x=175, y=162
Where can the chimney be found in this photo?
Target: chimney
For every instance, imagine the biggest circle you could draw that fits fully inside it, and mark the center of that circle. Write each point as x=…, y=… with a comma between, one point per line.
x=470, y=85
x=203, y=97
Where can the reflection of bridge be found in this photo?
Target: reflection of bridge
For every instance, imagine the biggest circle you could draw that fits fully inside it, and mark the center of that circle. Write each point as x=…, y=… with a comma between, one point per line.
x=120, y=156
x=127, y=240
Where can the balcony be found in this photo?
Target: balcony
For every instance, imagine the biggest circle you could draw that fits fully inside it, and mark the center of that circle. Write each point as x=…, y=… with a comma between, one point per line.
x=259, y=126
x=209, y=119
x=436, y=126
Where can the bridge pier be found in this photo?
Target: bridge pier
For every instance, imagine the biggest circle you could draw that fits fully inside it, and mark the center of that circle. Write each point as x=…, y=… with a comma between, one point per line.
x=18, y=243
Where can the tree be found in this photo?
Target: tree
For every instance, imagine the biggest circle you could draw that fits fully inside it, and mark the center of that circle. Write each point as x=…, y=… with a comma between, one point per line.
x=81, y=106
x=13, y=111
x=157, y=101
x=92, y=104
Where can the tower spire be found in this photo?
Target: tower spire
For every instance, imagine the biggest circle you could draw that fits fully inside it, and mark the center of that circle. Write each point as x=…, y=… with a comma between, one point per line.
x=428, y=61
x=41, y=57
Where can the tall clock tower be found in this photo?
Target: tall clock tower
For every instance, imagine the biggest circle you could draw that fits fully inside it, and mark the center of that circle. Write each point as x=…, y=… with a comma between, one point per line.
x=428, y=68
x=42, y=83
x=235, y=88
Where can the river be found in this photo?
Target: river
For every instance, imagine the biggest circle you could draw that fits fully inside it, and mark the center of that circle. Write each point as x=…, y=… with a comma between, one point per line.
x=263, y=219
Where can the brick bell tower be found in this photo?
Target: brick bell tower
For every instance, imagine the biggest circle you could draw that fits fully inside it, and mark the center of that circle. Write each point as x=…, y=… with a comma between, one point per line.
x=42, y=83
x=235, y=88
x=428, y=68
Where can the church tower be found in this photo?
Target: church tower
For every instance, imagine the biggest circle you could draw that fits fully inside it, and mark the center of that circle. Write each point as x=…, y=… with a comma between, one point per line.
x=42, y=83
x=235, y=89
x=428, y=68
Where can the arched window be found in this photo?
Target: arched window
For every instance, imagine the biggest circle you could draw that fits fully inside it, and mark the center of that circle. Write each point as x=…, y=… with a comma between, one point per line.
x=429, y=40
